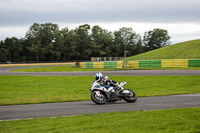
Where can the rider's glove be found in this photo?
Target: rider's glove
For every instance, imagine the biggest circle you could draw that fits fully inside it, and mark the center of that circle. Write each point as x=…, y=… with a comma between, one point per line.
x=106, y=78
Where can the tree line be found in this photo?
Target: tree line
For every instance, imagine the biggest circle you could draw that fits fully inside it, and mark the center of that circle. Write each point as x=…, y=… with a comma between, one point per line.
x=46, y=42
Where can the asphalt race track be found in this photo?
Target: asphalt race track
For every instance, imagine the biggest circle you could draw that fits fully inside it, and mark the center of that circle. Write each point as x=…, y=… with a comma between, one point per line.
x=13, y=112
x=5, y=71
x=88, y=107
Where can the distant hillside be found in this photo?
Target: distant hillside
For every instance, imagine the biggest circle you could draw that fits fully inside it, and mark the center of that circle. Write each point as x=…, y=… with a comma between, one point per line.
x=184, y=50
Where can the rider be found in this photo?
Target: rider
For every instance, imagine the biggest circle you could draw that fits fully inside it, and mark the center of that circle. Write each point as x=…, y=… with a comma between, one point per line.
x=105, y=80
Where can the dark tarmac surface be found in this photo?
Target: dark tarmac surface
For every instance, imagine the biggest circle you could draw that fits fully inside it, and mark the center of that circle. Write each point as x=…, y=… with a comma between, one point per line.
x=88, y=107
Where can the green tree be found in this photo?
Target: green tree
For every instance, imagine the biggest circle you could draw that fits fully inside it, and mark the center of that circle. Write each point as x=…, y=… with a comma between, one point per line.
x=43, y=39
x=13, y=48
x=155, y=39
x=125, y=40
x=139, y=47
x=68, y=44
x=33, y=38
x=3, y=56
x=83, y=42
x=51, y=41
x=25, y=54
x=101, y=42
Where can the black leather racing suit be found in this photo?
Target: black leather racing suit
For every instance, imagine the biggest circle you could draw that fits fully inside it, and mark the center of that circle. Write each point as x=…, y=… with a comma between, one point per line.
x=107, y=82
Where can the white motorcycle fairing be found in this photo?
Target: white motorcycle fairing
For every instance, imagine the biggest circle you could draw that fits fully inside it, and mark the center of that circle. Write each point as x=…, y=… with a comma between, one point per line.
x=101, y=94
x=96, y=86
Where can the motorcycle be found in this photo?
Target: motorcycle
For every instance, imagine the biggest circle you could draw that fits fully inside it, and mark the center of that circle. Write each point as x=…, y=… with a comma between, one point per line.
x=102, y=94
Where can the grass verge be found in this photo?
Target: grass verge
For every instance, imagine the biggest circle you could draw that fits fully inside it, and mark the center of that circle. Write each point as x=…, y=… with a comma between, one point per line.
x=36, y=64
x=40, y=89
x=72, y=68
x=57, y=69
x=165, y=121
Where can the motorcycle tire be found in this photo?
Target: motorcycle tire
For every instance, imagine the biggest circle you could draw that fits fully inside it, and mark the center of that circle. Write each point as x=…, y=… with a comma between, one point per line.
x=130, y=98
x=96, y=100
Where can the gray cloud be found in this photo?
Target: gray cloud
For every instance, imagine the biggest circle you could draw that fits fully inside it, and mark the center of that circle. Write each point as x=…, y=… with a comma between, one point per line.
x=20, y=12
x=180, y=17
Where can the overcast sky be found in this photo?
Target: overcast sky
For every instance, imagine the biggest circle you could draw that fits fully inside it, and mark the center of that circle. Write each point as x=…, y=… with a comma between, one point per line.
x=180, y=17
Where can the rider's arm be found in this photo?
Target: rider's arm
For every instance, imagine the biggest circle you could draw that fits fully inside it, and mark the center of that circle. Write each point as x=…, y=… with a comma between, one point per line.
x=113, y=82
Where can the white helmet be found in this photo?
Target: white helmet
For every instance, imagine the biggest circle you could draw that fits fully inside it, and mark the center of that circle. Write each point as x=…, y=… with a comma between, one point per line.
x=98, y=76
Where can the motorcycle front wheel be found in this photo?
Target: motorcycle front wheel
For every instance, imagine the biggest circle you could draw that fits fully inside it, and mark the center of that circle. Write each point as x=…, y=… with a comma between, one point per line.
x=131, y=97
x=98, y=99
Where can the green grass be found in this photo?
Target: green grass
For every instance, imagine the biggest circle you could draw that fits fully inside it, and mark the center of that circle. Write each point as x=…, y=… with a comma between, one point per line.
x=160, y=121
x=184, y=50
x=57, y=69
x=40, y=89
x=72, y=68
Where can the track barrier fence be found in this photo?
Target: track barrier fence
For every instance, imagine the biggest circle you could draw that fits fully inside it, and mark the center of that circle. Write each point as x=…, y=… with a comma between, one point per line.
x=110, y=64
x=163, y=63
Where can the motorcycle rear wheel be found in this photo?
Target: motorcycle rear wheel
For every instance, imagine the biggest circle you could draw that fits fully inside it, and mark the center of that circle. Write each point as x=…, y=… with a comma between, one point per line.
x=98, y=99
x=131, y=97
